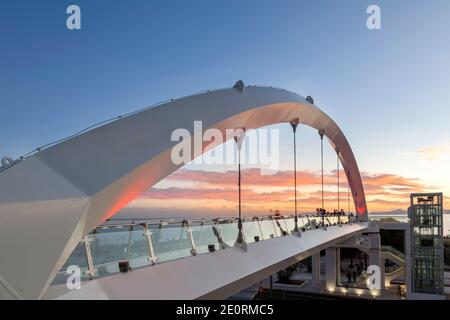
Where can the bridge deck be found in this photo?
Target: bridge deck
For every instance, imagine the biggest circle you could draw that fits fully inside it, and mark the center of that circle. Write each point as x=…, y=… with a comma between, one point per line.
x=213, y=276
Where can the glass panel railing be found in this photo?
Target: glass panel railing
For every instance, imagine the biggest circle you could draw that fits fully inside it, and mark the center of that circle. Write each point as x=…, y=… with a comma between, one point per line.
x=280, y=227
x=344, y=219
x=137, y=250
x=78, y=258
x=394, y=251
x=389, y=218
x=333, y=221
x=268, y=229
x=309, y=223
x=171, y=243
x=290, y=224
x=109, y=246
x=204, y=237
x=229, y=233
x=252, y=231
x=155, y=242
x=302, y=222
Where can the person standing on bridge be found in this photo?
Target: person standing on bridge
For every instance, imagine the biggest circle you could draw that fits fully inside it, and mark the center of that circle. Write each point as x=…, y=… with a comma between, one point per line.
x=349, y=277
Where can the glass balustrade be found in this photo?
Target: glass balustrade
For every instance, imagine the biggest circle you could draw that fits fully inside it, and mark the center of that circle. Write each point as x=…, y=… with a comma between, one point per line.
x=205, y=238
x=171, y=243
x=268, y=229
x=229, y=232
x=393, y=218
x=290, y=224
x=394, y=251
x=142, y=244
x=252, y=231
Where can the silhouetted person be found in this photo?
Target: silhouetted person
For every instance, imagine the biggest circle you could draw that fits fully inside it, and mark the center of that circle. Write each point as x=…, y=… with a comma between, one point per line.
x=360, y=268
x=260, y=293
x=322, y=215
x=349, y=277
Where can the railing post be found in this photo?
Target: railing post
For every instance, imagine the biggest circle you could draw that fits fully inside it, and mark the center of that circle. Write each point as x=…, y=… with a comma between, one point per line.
x=191, y=237
x=274, y=224
x=260, y=227
x=91, y=270
x=151, y=252
x=286, y=226
x=217, y=229
x=324, y=221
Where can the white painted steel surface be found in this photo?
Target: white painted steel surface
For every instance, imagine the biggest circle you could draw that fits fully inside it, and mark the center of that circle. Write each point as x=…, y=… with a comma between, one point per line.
x=50, y=200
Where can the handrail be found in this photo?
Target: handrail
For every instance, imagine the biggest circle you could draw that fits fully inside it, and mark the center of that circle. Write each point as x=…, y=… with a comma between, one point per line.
x=389, y=218
x=394, y=251
x=122, y=222
x=153, y=242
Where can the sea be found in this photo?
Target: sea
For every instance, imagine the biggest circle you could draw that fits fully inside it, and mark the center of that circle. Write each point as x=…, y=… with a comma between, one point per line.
x=446, y=228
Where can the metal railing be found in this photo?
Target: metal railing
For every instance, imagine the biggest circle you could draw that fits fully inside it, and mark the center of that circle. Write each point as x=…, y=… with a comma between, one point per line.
x=394, y=251
x=144, y=243
x=389, y=218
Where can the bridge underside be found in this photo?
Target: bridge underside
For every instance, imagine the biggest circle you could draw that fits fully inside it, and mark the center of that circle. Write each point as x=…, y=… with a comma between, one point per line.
x=215, y=275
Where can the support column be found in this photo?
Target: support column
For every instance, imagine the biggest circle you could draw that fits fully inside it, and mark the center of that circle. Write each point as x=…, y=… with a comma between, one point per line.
x=338, y=266
x=375, y=253
x=315, y=262
x=331, y=269
x=387, y=284
x=271, y=286
x=408, y=262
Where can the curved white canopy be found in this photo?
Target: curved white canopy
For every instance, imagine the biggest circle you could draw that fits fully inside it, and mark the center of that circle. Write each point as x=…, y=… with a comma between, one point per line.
x=51, y=199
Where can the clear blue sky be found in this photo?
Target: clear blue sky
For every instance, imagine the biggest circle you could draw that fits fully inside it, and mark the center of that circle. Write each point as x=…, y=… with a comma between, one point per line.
x=388, y=89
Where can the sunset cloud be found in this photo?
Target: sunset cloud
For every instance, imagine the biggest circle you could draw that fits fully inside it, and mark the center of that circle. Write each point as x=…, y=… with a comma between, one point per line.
x=260, y=193
x=434, y=152
x=430, y=153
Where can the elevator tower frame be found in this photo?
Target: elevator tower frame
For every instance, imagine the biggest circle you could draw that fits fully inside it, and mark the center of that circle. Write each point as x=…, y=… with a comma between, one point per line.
x=427, y=249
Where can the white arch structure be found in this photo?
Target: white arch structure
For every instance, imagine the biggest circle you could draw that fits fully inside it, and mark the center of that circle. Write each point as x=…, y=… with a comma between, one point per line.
x=50, y=200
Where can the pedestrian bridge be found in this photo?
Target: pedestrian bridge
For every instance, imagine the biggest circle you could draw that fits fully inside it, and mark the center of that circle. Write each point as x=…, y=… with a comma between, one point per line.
x=57, y=194
x=195, y=259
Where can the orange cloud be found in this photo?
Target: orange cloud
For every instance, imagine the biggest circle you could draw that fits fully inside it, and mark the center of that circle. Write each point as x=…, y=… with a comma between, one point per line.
x=261, y=193
x=434, y=152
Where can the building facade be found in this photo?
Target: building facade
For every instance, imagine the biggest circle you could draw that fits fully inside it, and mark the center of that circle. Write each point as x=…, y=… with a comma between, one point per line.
x=427, y=248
